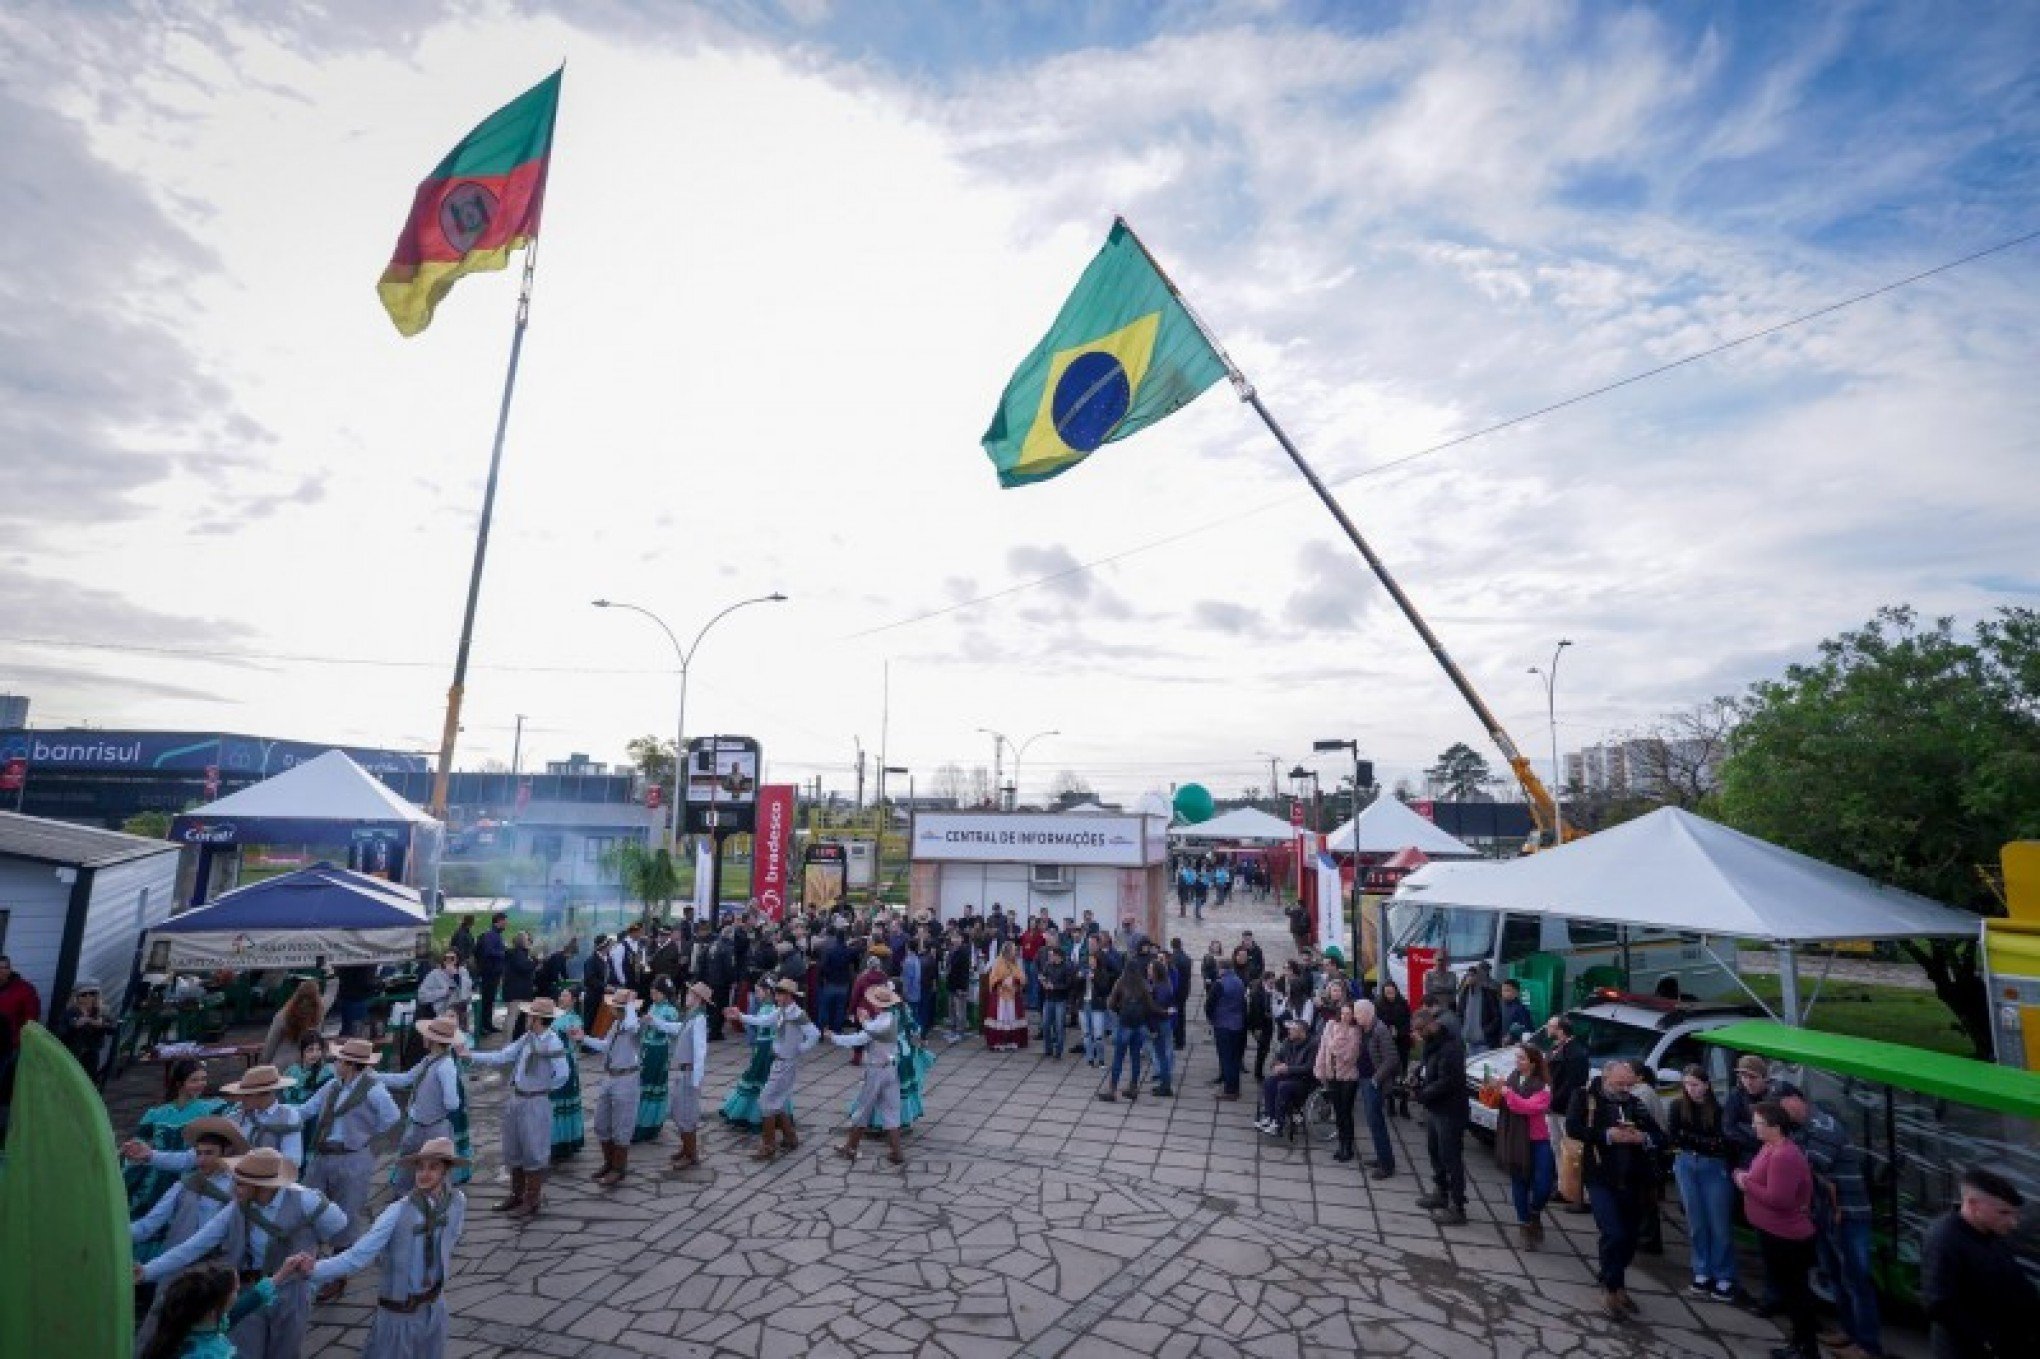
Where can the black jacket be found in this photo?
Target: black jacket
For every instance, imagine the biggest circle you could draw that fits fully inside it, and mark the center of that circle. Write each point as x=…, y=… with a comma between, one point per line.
x=1441, y=1076
x=1618, y=1165
x=1568, y=1074
x=520, y=974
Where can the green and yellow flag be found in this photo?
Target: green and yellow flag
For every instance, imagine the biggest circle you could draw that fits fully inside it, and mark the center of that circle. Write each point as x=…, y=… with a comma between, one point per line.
x=1122, y=354
x=478, y=206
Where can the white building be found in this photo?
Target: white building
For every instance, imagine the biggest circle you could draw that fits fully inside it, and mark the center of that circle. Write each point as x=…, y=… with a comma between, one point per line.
x=1112, y=865
x=1645, y=767
x=75, y=902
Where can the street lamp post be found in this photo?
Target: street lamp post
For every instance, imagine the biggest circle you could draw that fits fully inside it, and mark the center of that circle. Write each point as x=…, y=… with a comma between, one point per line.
x=1020, y=752
x=1298, y=775
x=1274, y=779
x=1359, y=773
x=998, y=751
x=912, y=812
x=1550, y=678
x=999, y=741
x=686, y=655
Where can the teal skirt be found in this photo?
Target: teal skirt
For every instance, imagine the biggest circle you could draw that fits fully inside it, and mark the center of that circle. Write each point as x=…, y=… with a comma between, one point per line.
x=652, y=1088
x=568, y=1125
x=742, y=1105
x=162, y=1128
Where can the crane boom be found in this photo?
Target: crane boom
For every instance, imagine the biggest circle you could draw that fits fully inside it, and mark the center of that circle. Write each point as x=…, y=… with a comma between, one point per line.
x=1543, y=808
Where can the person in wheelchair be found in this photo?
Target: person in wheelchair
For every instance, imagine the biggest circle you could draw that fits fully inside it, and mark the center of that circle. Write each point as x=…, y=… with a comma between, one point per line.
x=1290, y=1080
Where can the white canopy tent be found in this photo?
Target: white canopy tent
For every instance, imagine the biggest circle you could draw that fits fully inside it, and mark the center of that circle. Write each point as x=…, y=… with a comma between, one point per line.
x=1672, y=870
x=331, y=787
x=1242, y=823
x=1387, y=825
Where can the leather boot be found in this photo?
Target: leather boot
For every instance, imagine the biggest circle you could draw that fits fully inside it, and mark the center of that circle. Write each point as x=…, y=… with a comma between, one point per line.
x=768, y=1139
x=516, y=1193
x=622, y=1166
x=608, y=1164
x=686, y=1156
x=892, y=1145
x=786, y=1132
x=534, y=1190
x=848, y=1151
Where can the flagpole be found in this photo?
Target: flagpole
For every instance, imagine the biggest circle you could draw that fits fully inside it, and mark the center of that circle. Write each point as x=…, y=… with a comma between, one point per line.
x=457, y=691
x=1252, y=398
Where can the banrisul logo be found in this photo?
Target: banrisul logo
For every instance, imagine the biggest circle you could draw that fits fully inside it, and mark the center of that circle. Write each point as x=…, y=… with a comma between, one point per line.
x=84, y=752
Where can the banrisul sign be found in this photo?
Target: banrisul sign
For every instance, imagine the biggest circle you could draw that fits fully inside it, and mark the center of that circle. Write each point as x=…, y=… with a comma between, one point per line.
x=186, y=752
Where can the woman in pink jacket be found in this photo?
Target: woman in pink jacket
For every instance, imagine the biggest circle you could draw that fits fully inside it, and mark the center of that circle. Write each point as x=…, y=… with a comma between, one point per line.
x=1777, y=1195
x=1338, y=1068
x=1525, y=1141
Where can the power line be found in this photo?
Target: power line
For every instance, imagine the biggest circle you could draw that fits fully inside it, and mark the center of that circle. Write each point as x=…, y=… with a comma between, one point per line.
x=1232, y=520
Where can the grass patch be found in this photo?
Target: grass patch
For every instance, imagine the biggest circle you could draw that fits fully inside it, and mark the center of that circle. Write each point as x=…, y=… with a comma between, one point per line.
x=1890, y=1014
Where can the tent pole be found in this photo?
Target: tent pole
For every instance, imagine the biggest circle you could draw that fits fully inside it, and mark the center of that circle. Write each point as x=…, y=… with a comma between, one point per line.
x=1788, y=981
x=1736, y=977
x=1814, y=999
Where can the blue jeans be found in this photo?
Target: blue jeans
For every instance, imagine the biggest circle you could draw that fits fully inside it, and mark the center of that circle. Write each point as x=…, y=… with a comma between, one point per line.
x=1033, y=971
x=832, y=1007
x=1844, y=1255
x=924, y=1009
x=1098, y=1029
x=1618, y=1215
x=1129, y=1039
x=1052, y=1027
x=1161, y=1039
x=1376, y=1107
x=1533, y=1191
x=1709, y=1195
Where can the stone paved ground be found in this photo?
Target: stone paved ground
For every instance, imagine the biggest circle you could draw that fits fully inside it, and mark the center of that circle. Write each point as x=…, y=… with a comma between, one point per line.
x=1032, y=1220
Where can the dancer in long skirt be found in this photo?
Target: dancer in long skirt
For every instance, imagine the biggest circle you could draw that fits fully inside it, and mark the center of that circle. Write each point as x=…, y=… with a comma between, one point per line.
x=653, y=1092
x=569, y=1123
x=878, y=1099
x=741, y=1108
x=162, y=1129
x=1004, y=1003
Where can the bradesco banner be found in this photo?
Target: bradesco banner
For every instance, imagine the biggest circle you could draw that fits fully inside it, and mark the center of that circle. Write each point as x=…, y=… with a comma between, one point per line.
x=771, y=847
x=1025, y=837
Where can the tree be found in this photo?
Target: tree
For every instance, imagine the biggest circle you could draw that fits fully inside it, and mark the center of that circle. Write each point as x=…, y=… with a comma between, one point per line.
x=1461, y=774
x=652, y=757
x=978, y=790
x=1908, y=754
x=950, y=782
x=148, y=825
x=1068, y=787
x=648, y=874
x=1676, y=762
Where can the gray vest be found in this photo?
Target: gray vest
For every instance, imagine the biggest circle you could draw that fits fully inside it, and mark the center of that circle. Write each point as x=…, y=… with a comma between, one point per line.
x=289, y=1228
x=428, y=1099
x=623, y=1052
x=884, y=1032
x=786, y=1038
x=198, y=1200
x=532, y=1074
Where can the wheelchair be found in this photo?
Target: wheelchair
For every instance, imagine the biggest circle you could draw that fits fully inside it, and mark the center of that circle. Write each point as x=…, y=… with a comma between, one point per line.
x=1313, y=1120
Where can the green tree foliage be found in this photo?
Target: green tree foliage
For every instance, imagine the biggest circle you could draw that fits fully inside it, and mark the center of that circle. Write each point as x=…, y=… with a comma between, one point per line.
x=648, y=874
x=1461, y=774
x=652, y=757
x=1907, y=753
x=148, y=825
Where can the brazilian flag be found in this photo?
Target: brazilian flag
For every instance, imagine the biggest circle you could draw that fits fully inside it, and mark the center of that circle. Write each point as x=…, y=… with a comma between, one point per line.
x=1122, y=354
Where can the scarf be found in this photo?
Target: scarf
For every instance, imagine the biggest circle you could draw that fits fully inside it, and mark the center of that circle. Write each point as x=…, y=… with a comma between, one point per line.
x=200, y=1184
x=350, y=1097
x=433, y=1214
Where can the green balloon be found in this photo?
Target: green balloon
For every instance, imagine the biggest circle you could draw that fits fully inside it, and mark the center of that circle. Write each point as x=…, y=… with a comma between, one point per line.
x=1194, y=804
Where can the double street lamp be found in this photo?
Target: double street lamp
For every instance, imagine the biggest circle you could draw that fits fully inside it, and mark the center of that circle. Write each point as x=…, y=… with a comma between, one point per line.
x=999, y=740
x=1550, y=678
x=686, y=655
x=1363, y=775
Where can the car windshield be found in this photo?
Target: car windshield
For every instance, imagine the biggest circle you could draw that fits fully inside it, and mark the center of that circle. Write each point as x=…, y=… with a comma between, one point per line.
x=1462, y=932
x=1606, y=1038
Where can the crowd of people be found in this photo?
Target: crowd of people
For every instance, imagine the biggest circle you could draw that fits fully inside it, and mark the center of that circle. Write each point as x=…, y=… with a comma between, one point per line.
x=292, y=1150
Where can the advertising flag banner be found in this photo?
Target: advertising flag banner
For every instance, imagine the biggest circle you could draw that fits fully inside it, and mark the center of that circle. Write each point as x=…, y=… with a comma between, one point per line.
x=772, y=849
x=1122, y=354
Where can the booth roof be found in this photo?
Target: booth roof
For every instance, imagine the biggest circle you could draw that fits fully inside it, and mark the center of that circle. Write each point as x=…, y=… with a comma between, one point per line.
x=1964, y=1080
x=330, y=787
x=321, y=897
x=60, y=842
x=1242, y=823
x=1673, y=870
x=1386, y=825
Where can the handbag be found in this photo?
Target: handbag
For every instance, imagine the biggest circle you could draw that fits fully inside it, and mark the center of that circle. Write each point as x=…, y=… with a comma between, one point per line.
x=1569, y=1184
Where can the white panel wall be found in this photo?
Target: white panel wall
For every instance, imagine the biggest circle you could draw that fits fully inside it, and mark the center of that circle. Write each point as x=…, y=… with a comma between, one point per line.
x=128, y=899
x=35, y=903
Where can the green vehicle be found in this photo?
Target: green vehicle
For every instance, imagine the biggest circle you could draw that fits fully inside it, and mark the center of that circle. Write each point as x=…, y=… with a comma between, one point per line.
x=1921, y=1118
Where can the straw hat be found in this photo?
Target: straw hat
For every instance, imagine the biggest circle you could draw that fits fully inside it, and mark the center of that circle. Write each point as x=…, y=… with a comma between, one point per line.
x=264, y=1168
x=542, y=1008
x=620, y=999
x=359, y=1051
x=437, y=1149
x=444, y=1029
x=787, y=984
x=259, y=1080
x=878, y=951
x=882, y=997
x=700, y=993
x=216, y=1127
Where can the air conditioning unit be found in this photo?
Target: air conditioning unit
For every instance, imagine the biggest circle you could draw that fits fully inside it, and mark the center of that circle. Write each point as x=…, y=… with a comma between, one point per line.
x=1050, y=878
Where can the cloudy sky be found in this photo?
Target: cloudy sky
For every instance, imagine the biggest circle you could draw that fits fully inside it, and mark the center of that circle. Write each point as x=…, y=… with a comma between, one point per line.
x=792, y=252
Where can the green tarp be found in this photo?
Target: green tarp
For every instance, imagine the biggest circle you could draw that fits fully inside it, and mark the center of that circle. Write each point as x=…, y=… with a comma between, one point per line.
x=1960, y=1079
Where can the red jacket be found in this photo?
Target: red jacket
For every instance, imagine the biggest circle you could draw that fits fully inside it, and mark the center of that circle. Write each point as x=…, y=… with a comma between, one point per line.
x=1032, y=942
x=19, y=1005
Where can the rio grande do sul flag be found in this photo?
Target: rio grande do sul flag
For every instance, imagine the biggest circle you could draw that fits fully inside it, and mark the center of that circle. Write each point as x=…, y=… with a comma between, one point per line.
x=1122, y=354
x=479, y=204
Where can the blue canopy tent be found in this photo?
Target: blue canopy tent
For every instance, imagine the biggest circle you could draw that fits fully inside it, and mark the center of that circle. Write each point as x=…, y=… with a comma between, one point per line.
x=317, y=916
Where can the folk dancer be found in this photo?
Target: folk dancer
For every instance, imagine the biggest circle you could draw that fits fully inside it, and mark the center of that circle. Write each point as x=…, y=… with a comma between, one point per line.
x=351, y=1112
x=538, y=1062
x=616, y=1104
x=414, y=1239
x=191, y=1201
x=273, y=1218
x=793, y=1033
x=741, y=1108
x=261, y=1118
x=879, y=1098
x=312, y=1070
x=569, y=1120
x=438, y=1096
x=162, y=1127
x=655, y=1078
x=688, y=1039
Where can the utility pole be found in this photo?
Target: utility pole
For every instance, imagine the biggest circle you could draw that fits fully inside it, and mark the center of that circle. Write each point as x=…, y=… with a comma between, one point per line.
x=860, y=772
x=517, y=748
x=884, y=728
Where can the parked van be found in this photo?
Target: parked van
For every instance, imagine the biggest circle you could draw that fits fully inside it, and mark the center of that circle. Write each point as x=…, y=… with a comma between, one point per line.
x=1552, y=954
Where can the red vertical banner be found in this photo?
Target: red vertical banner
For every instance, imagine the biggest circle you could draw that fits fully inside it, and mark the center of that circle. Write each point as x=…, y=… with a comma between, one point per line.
x=14, y=775
x=772, y=849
